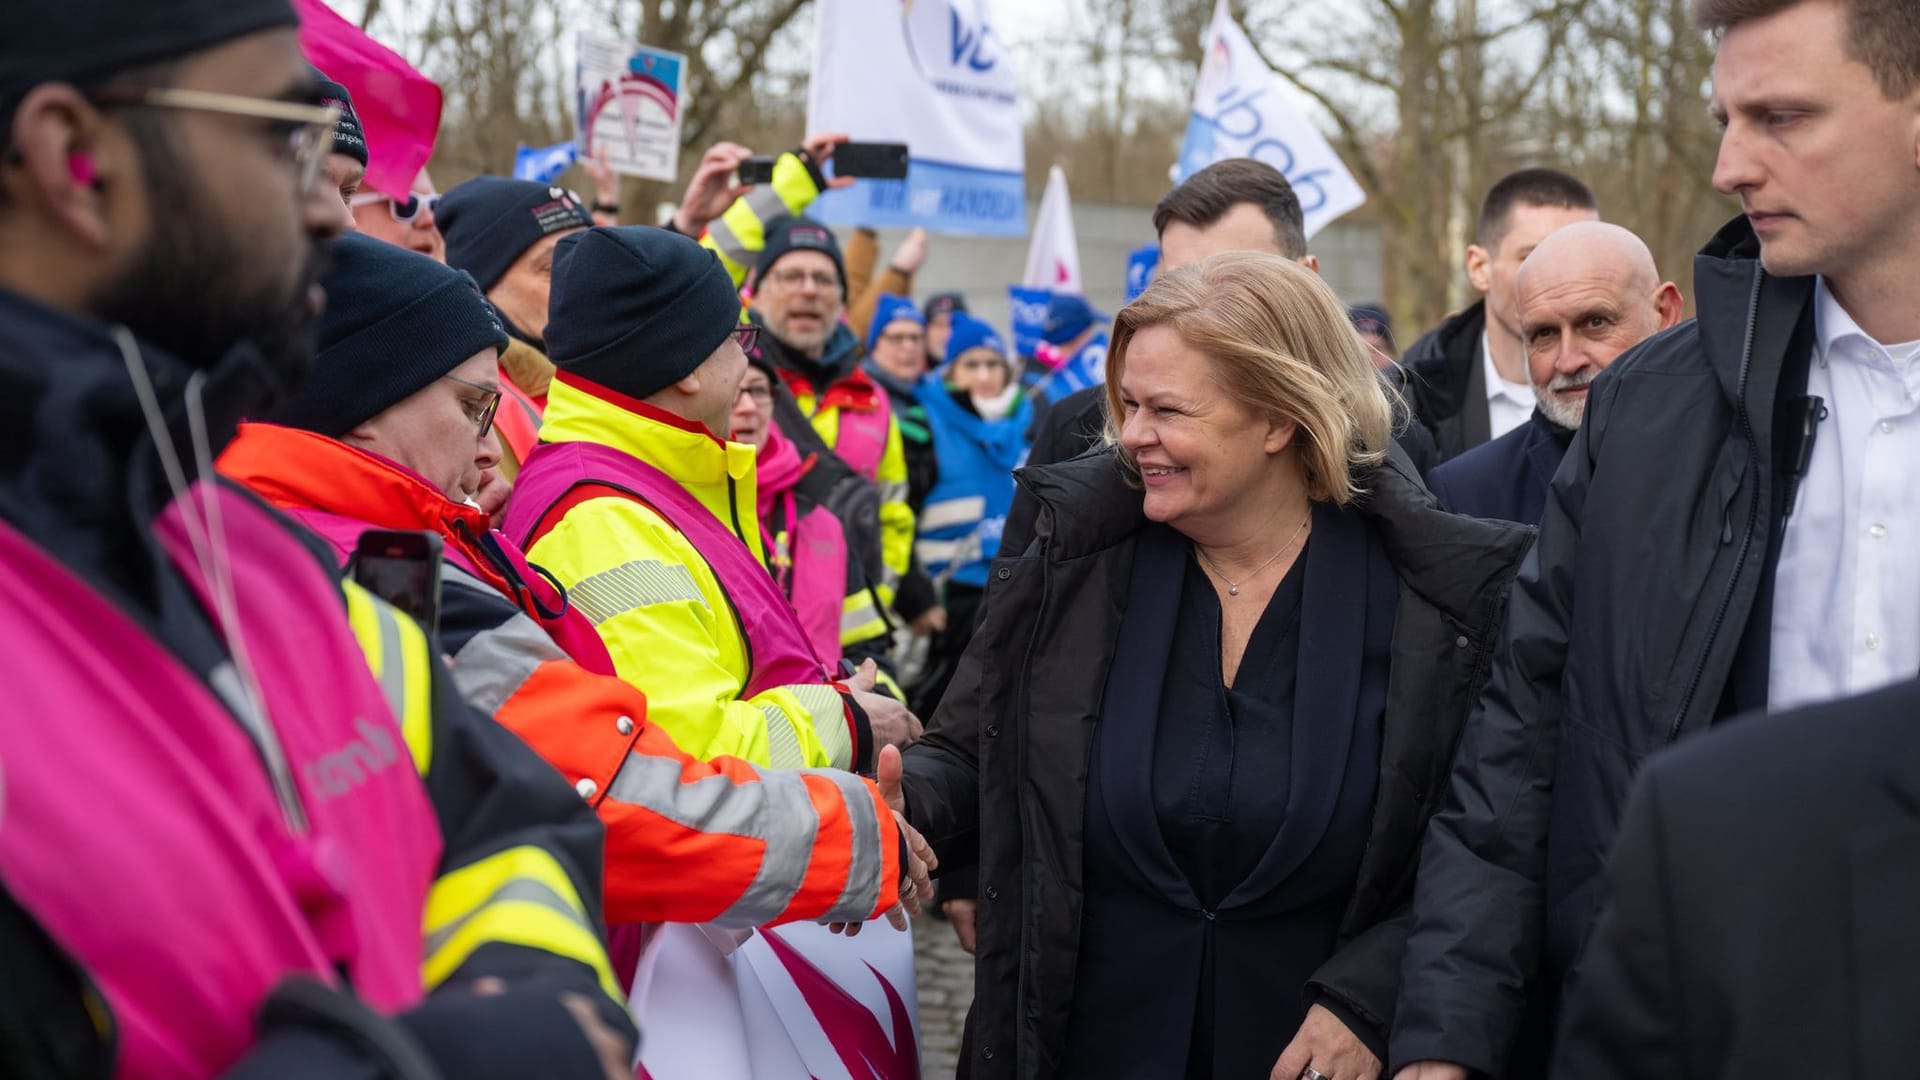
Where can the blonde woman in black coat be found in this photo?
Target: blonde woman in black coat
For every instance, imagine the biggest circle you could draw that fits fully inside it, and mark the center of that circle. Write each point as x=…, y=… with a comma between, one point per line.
x=1210, y=709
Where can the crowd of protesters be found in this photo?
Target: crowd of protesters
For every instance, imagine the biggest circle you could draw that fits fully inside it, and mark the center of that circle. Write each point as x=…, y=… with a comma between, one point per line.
x=1262, y=699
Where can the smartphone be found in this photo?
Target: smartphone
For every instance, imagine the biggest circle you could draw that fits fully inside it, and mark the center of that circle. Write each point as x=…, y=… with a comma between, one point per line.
x=874, y=160
x=757, y=169
x=402, y=568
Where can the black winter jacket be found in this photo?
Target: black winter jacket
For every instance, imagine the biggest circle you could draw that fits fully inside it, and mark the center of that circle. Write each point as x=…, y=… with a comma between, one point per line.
x=1440, y=374
x=1642, y=616
x=1003, y=768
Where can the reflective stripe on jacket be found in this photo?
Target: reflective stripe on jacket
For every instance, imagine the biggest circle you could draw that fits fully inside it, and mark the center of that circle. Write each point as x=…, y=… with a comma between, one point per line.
x=667, y=619
x=687, y=841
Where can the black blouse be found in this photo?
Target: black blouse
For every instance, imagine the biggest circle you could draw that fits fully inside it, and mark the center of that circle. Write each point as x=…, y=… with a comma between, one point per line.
x=1221, y=754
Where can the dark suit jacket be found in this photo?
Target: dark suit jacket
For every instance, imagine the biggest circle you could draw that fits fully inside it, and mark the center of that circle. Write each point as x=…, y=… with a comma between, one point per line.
x=1765, y=906
x=1507, y=478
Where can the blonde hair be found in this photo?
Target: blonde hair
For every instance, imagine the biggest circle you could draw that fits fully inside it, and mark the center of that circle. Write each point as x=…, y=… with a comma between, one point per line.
x=1281, y=344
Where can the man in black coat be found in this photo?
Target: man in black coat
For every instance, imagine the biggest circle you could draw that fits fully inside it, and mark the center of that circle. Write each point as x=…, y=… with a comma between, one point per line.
x=1588, y=293
x=1702, y=553
x=1762, y=899
x=1467, y=378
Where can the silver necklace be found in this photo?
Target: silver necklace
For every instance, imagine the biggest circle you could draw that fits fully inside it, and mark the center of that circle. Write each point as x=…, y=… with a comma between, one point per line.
x=1233, y=587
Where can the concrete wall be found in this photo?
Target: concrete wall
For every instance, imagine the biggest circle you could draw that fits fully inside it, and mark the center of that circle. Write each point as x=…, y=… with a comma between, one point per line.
x=983, y=267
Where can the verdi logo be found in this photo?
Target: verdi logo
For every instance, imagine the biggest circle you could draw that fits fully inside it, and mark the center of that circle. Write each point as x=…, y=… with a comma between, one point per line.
x=944, y=41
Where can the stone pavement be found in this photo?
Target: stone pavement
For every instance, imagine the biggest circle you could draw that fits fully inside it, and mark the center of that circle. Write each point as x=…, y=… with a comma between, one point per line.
x=944, y=974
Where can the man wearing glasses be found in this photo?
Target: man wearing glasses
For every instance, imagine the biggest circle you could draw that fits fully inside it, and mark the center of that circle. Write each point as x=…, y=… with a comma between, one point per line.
x=406, y=221
x=235, y=786
x=639, y=506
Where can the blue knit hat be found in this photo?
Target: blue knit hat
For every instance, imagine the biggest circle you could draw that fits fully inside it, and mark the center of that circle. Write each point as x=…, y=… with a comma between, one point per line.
x=635, y=309
x=395, y=321
x=1068, y=317
x=972, y=333
x=490, y=221
x=891, y=309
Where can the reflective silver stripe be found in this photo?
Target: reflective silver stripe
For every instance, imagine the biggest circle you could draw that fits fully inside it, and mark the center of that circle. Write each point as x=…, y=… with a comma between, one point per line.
x=950, y=512
x=728, y=244
x=636, y=584
x=777, y=811
x=862, y=893
x=897, y=493
x=495, y=663
x=525, y=890
x=946, y=551
x=393, y=662
x=829, y=722
x=855, y=619
x=783, y=745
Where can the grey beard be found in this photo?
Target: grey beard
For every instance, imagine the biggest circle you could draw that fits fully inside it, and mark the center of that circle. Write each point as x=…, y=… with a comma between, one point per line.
x=1567, y=416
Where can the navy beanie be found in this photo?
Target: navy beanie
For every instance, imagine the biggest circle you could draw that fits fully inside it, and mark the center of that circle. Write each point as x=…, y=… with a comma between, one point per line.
x=395, y=321
x=1371, y=319
x=349, y=137
x=490, y=221
x=972, y=333
x=790, y=234
x=1068, y=317
x=889, y=310
x=85, y=41
x=636, y=309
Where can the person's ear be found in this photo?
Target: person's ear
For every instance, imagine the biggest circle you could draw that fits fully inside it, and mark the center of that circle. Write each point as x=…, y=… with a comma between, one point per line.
x=1280, y=435
x=1310, y=261
x=63, y=158
x=1669, y=304
x=690, y=383
x=1480, y=268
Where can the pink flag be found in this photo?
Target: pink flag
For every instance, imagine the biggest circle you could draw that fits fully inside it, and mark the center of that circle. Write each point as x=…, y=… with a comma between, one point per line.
x=399, y=107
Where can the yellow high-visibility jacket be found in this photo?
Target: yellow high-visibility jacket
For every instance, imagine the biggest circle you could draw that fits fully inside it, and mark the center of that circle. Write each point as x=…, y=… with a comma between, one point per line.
x=660, y=608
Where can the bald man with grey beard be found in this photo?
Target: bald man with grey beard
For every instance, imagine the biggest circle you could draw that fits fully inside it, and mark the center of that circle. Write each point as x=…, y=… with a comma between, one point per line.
x=1586, y=295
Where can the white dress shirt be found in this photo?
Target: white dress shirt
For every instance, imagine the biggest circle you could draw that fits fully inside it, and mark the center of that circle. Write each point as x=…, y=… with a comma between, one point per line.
x=1846, y=607
x=1508, y=404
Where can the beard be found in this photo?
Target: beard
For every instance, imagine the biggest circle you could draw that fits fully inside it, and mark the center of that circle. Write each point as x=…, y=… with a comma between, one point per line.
x=1567, y=414
x=197, y=289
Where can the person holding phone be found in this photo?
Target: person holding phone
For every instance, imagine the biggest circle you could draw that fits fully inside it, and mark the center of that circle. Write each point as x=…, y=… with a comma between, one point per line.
x=387, y=434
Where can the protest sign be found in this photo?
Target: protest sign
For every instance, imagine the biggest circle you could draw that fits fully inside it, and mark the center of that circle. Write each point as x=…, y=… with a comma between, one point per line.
x=1141, y=264
x=543, y=164
x=629, y=106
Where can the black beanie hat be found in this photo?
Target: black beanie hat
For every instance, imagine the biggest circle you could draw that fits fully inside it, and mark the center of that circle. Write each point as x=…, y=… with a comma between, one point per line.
x=349, y=137
x=395, y=321
x=635, y=309
x=490, y=221
x=85, y=41
x=789, y=234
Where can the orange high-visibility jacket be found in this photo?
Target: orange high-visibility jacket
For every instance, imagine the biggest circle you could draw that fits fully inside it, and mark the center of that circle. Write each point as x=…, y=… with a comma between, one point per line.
x=687, y=840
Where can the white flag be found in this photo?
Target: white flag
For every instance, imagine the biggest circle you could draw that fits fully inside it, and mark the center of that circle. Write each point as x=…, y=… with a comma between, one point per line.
x=1053, y=258
x=1241, y=108
x=935, y=75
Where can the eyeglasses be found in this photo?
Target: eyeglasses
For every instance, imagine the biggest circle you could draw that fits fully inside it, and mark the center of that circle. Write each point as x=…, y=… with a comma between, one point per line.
x=308, y=129
x=761, y=395
x=795, y=277
x=747, y=337
x=480, y=412
x=405, y=211
x=904, y=337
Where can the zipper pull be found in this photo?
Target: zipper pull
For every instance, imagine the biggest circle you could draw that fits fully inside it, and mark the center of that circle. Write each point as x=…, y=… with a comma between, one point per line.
x=1726, y=528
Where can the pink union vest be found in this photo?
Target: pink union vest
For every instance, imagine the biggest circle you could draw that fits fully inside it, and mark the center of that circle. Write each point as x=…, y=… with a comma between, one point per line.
x=781, y=652
x=139, y=826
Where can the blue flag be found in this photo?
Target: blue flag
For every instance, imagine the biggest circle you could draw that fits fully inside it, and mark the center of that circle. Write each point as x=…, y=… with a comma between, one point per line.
x=1141, y=263
x=1028, y=310
x=543, y=165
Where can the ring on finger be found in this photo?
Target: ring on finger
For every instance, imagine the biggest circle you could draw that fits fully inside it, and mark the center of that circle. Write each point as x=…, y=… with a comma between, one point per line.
x=1311, y=1073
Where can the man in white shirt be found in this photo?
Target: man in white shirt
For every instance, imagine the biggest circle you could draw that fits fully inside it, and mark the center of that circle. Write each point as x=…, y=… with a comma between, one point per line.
x=1467, y=378
x=1734, y=527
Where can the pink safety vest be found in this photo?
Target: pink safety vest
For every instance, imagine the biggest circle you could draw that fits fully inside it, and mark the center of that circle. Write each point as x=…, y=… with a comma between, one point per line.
x=866, y=416
x=140, y=828
x=782, y=654
x=813, y=547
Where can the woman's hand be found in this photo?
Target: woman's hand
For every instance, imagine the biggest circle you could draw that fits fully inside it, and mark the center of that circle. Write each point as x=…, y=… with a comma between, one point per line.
x=1329, y=1048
